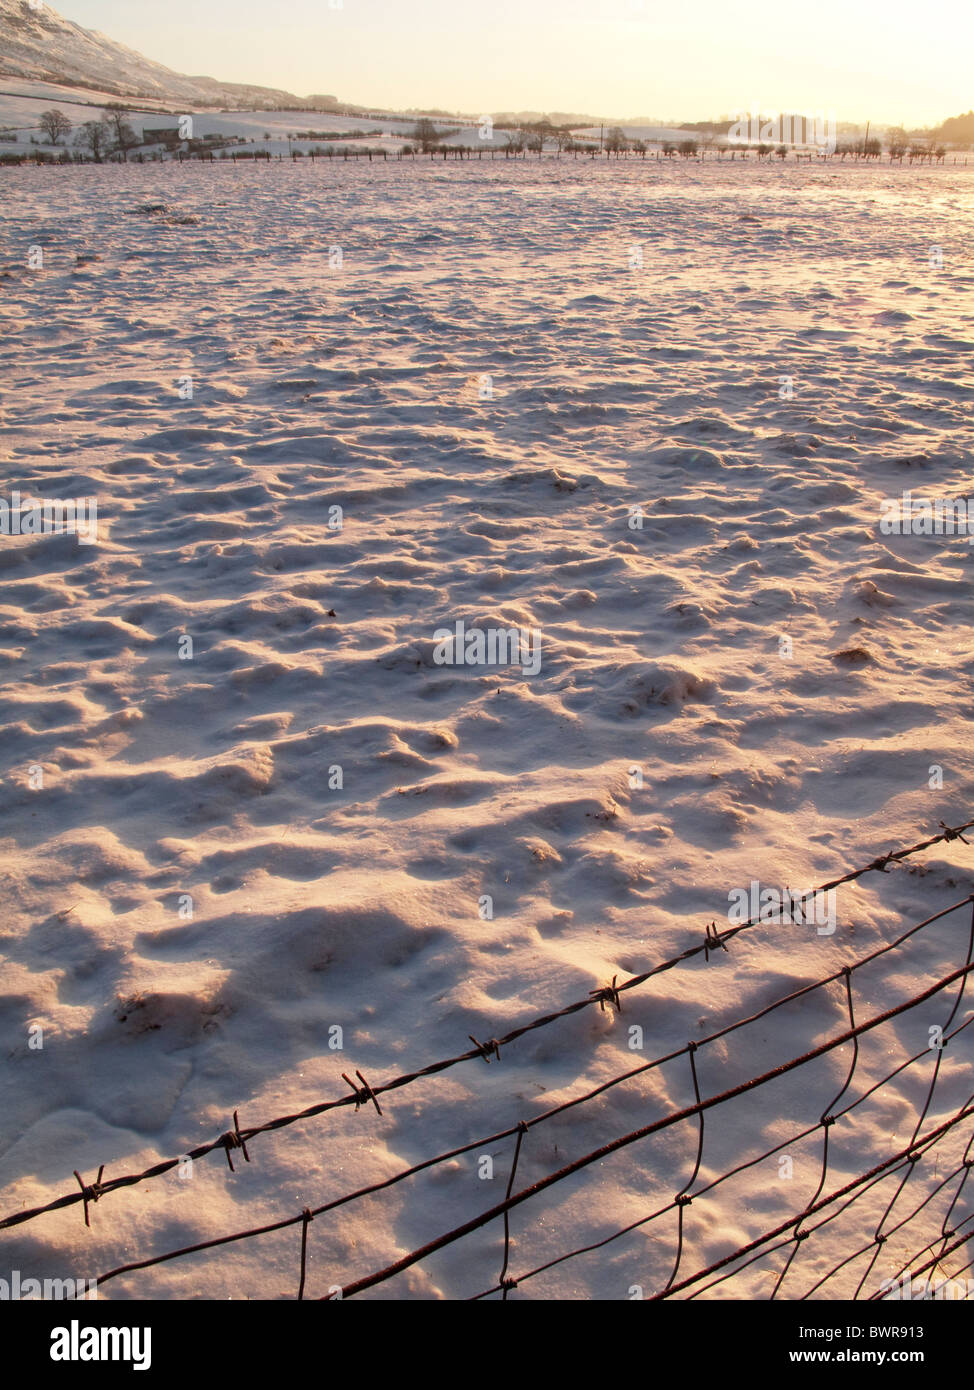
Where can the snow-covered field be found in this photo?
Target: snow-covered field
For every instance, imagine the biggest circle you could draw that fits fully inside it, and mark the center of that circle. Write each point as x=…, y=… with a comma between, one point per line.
x=22, y=102
x=212, y=857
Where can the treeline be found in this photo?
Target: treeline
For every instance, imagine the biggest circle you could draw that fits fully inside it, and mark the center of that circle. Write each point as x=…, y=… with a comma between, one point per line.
x=111, y=134
x=957, y=130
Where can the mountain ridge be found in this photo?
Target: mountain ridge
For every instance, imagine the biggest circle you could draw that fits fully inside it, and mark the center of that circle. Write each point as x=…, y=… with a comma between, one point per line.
x=38, y=44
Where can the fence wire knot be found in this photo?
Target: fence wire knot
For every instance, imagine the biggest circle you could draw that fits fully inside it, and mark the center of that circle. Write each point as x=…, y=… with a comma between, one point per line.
x=233, y=1139
x=683, y=1199
x=950, y=834
x=363, y=1096
x=713, y=941
x=882, y=861
x=508, y=1282
x=491, y=1048
x=90, y=1192
x=608, y=994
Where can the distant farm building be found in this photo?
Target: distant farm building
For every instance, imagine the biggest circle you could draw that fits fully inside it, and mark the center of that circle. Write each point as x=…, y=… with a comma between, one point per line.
x=161, y=135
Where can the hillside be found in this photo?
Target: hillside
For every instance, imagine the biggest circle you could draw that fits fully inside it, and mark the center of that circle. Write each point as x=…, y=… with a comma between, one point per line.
x=39, y=44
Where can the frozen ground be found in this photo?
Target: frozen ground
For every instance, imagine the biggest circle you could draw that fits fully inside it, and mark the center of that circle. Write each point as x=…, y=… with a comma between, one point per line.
x=613, y=385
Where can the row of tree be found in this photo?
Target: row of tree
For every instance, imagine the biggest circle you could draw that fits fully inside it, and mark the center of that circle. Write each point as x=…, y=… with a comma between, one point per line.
x=113, y=134
x=110, y=134
x=534, y=137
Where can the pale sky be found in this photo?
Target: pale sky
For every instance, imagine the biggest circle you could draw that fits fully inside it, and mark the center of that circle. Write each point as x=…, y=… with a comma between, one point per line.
x=889, y=60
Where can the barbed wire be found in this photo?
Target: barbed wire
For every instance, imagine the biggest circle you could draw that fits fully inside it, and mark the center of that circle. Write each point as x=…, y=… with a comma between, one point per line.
x=645, y=1131
x=523, y=1126
x=605, y=996
x=791, y=1140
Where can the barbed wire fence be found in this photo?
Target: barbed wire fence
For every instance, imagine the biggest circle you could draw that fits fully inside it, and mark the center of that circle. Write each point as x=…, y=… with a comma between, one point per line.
x=884, y=1189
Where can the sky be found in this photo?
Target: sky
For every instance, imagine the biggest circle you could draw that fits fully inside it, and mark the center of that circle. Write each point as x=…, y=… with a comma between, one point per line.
x=886, y=60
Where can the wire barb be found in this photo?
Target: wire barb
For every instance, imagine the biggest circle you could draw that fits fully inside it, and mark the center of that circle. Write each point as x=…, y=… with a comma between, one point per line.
x=607, y=994
x=233, y=1139
x=491, y=1048
x=90, y=1192
x=363, y=1096
x=713, y=941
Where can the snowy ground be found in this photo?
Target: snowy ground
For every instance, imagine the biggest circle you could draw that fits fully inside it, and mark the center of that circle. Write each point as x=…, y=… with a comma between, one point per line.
x=22, y=103
x=507, y=361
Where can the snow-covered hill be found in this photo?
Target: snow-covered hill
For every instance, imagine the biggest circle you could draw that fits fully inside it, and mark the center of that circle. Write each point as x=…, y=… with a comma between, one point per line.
x=36, y=42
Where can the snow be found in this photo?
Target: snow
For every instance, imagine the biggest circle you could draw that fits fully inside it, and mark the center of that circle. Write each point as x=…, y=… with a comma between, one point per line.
x=616, y=382
x=40, y=44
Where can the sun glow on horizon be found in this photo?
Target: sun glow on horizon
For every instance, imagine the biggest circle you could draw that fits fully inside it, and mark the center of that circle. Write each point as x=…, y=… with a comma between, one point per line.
x=618, y=58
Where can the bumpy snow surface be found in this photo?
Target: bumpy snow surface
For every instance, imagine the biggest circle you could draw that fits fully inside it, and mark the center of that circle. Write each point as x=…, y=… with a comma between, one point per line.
x=644, y=415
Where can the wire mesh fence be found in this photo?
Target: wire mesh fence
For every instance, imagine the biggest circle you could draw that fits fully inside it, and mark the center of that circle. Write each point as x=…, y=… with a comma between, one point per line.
x=873, y=1214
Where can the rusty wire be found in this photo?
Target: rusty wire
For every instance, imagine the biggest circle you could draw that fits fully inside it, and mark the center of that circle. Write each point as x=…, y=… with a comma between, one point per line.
x=904, y=1163
x=522, y=1126
x=645, y=1131
x=608, y=994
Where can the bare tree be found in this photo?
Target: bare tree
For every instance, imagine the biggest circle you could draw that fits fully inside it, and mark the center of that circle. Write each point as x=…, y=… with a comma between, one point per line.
x=94, y=136
x=532, y=138
x=426, y=135
x=540, y=132
x=897, y=138
x=615, y=140
x=55, y=124
x=123, y=136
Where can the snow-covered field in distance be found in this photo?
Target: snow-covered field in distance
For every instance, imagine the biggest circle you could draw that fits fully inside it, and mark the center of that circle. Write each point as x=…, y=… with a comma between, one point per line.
x=634, y=322
x=250, y=126
x=22, y=103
